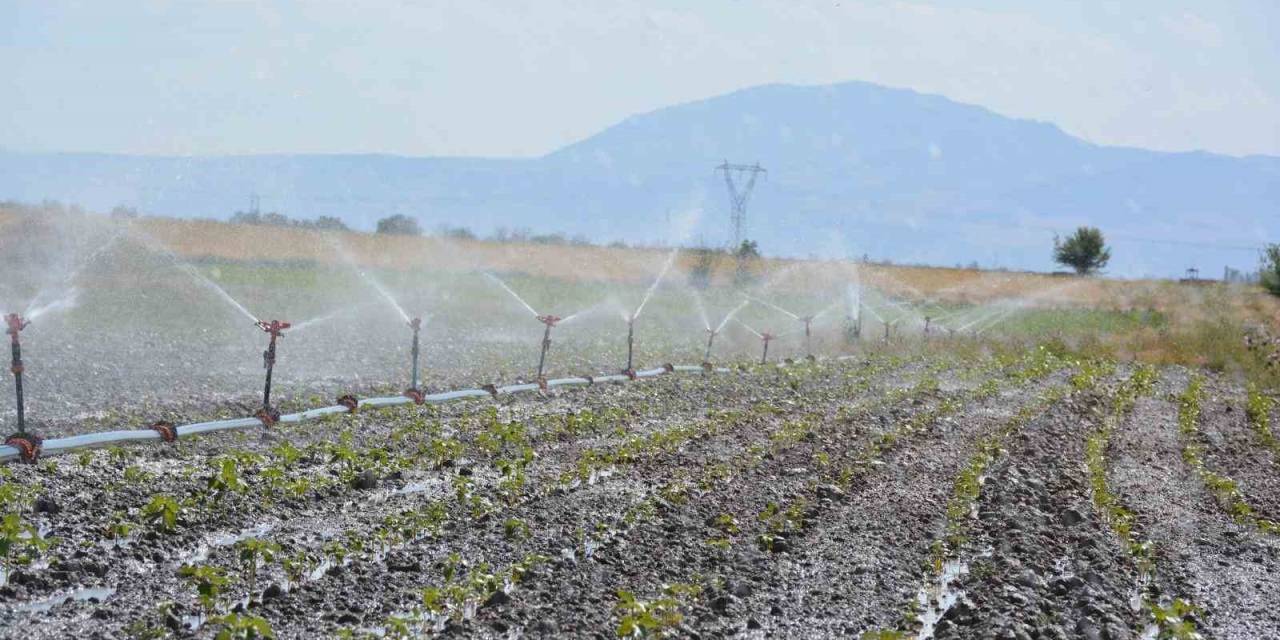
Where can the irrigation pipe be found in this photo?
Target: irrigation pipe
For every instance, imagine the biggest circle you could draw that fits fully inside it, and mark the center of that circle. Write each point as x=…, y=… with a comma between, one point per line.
x=56, y=446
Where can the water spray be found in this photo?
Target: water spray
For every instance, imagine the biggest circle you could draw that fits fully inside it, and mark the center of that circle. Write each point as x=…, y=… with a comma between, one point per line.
x=274, y=329
x=550, y=321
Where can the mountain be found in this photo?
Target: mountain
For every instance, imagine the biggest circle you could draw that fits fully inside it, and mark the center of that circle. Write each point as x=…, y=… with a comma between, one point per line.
x=852, y=169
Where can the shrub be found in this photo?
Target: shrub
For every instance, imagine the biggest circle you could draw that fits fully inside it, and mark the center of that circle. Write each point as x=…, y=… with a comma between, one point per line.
x=1269, y=270
x=399, y=224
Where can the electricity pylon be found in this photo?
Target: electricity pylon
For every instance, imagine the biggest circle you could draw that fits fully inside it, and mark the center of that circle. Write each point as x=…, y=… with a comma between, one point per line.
x=738, y=197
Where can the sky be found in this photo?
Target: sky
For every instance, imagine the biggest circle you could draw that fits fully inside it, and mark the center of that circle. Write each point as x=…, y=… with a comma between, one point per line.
x=523, y=78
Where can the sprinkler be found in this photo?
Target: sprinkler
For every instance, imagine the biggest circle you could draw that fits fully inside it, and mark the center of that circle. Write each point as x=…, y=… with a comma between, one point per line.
x=16, y=325
x=275, y=329
x=927, y=320
x=711, y=337
x=630, y=371
x=550, y=321
x=416, y=325
x=808, y=335
x=765, y=337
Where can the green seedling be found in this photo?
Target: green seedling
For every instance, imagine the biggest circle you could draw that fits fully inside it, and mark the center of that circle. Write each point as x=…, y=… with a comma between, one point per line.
x=20, y=541
x=253, y=552
x=515, y=529
x=209, y=582
x=239, y=626
x=224, y=478
x=162, y=512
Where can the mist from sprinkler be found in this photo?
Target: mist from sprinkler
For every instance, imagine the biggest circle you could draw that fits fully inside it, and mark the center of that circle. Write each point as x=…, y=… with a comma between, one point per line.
x=195, y=274
x=498, y=281
x=629, y=370
x=712, y=333
x=549, y=321
x=65, y=302
x=765, y=338
x=372, y=281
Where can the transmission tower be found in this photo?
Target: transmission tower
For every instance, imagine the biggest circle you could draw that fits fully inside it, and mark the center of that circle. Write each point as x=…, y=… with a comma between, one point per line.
x=733, y=179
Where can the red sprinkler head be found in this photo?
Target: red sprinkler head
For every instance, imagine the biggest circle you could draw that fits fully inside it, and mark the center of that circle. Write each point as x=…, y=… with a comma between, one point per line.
x=16, y=323
x=275, y=327
x=766, y=336
x=415, y=324
x=549, y=320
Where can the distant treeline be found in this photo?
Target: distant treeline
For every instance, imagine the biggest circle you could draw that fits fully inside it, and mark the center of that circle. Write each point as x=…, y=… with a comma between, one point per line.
x=273, y=219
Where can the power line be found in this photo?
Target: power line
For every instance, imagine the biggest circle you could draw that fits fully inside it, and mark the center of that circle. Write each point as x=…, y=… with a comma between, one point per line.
x=738, y=197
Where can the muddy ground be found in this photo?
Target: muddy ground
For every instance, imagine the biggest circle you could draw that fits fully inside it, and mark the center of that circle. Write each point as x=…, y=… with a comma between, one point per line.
x=802, y=501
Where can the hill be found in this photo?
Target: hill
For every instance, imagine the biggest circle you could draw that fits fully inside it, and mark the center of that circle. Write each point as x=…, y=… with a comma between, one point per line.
x=853, y=169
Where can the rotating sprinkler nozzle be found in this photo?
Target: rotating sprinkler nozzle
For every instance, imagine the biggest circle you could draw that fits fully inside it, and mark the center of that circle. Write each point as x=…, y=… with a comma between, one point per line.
x=416, y=325
x=550, y=321
x=274, y=329
x=16, y=324
x=765, y=337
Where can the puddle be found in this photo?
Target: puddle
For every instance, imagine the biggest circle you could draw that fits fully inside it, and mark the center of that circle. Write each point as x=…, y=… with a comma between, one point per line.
x=937, y=598
x=213, y=541
x=97, y=594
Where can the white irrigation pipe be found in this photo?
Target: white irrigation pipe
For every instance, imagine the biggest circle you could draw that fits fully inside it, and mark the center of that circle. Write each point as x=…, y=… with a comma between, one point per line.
x=55, y=446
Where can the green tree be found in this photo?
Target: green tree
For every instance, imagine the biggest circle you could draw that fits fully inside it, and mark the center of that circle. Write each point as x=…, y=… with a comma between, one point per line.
x=1269, y=270
x=748, y=255
x=399, y=224
x=704, y=264
x=1085, y=250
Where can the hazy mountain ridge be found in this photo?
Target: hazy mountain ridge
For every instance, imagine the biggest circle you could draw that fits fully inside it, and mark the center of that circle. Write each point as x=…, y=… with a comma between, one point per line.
x=852, y=168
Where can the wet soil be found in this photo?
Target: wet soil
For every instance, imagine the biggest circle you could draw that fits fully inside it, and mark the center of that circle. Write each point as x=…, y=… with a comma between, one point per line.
x=782, y=502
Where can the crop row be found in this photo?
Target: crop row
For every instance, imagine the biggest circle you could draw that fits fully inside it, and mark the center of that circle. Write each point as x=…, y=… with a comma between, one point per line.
x=1223, y=488
x=782, y=522
x=664, y=610
x=507, y=437
x=1173, y=616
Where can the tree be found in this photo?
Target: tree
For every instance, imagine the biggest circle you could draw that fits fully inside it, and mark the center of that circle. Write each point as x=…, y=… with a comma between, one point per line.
x=748, y=254
x=704, y=264
x=1085, y=250
x=399, y=224
x=1269, y=270
x=329, y=223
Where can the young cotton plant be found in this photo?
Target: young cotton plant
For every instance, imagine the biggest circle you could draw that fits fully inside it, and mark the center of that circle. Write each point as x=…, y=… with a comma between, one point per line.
x=253, y=553
x=653, y=618
x=162, y=512
x=234, y=626
x=209, y=582
x=20, y=542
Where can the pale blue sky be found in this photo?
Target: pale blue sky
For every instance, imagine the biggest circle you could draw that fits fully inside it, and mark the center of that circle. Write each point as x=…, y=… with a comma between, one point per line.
x=523, y=78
